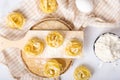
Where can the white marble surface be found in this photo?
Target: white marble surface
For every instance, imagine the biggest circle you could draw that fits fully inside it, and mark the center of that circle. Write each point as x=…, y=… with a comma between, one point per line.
x=7, y=6
x=100, y=71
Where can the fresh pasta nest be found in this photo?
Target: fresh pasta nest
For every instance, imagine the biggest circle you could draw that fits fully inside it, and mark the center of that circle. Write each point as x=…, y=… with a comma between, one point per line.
x=82, y=73
x=74, y=48
x=52, y=68
x=54, y=39
x=48, y=6
x=15, y=20
x=34, y=46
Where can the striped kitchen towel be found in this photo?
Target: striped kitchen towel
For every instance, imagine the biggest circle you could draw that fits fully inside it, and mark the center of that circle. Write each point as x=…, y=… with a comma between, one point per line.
x=106, y=13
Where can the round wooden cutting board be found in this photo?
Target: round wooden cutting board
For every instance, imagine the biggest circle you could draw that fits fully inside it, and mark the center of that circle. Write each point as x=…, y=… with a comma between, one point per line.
x=31, y=63
x=52, y=24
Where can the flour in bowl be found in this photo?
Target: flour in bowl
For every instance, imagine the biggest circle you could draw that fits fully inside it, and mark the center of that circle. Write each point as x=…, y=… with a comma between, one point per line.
x=107, y=47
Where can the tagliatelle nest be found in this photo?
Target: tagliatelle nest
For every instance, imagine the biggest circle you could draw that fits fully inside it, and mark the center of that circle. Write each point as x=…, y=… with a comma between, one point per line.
x=82, y=73
x=74, y=48
x=54, y=39
x=48, y=6
x=34, y=46
x=15, y=20
x=52, y=68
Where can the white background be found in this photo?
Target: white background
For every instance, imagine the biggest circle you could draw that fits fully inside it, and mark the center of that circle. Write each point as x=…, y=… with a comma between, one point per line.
x=100, y=71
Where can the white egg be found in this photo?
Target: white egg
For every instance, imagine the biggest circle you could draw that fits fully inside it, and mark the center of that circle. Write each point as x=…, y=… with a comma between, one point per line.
x=85, y=6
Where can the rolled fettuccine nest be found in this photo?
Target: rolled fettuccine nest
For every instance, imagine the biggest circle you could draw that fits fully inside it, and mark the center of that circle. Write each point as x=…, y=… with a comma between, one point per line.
x=48, y=6
x=54, y=39
x=15, y=20
x=74, y=47
x=82, y=73
x=34, y=46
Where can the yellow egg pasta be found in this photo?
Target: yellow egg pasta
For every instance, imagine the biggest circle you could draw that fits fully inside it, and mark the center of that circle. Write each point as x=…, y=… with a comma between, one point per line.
x=34, y=46
x=74, y=48
x=82, y=73
x=48, y=6
x=54, y=39
x=15, y=20
x=52, y=68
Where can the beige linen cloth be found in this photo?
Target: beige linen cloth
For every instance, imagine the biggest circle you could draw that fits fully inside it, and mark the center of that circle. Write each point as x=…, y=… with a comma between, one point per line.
x=106, y=13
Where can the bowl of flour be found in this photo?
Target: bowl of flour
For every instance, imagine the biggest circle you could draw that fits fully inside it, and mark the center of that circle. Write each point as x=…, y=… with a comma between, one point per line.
x=107, y=47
